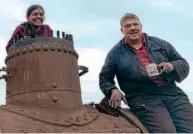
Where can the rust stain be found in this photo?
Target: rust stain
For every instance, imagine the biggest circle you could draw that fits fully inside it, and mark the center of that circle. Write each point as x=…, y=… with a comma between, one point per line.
x=44, y=93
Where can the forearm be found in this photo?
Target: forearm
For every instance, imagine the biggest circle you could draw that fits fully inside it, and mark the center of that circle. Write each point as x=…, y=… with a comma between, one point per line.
x=106, y=83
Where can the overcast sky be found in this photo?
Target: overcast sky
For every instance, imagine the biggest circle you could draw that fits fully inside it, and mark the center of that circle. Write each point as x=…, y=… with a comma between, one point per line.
x=95, y=26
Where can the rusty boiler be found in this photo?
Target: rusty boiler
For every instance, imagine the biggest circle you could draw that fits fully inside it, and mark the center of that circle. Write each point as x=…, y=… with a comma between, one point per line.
x=43, y=92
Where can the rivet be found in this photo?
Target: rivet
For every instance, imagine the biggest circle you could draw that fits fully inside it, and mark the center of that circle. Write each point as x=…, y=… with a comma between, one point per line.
x=8, y=57
x=45, y=47
x=59, y=48
x=64, y=49
x=30, y=49
x=54, y=85
x=18, y=52
x=52, y=47
x=37, y=48
x=24, y=50
x=55, y=98
x=11, y=55
x=69, y=51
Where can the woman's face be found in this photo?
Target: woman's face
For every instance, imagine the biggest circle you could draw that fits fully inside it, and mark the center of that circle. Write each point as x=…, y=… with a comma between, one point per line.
x=36, y=17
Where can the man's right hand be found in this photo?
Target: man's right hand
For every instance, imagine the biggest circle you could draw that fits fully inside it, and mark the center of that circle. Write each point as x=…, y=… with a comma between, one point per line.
x=116, y=97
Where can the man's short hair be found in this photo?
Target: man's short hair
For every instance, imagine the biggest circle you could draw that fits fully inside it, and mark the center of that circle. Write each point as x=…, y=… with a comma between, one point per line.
x=128, y=16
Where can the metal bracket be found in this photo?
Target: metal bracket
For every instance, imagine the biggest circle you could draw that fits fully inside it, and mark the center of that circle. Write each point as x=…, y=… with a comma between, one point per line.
x=84, y=70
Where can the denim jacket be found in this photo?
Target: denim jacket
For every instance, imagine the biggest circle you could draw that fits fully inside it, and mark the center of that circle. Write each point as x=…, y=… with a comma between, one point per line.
x=123, y=63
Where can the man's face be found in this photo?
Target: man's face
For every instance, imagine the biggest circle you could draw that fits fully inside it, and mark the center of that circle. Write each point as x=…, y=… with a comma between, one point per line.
x=37, y=17
x=132, y=29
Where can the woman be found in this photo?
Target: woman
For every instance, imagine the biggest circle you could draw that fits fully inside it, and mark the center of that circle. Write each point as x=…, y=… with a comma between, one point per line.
x=33, y=28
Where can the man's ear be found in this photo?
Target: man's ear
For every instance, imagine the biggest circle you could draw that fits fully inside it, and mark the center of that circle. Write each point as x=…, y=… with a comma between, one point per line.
x=121, y=29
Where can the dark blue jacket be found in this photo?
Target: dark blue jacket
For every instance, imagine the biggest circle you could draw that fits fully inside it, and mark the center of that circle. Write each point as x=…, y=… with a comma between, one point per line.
x=123, y=63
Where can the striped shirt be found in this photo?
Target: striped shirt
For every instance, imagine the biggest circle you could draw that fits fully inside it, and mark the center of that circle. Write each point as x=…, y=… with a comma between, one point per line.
x=144, y=59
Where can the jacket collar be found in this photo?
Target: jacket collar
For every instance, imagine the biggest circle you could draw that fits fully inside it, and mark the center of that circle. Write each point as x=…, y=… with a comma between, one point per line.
x=149, y=44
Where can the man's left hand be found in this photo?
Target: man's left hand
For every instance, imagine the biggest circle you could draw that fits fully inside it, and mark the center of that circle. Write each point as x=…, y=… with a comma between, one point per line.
x=166, y=67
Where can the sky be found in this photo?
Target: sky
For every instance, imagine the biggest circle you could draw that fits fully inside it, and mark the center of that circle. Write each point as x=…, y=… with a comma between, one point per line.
x=96, y=29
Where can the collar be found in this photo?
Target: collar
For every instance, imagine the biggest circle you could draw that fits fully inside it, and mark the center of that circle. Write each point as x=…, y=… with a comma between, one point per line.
x=147, y=41
x=144, y=42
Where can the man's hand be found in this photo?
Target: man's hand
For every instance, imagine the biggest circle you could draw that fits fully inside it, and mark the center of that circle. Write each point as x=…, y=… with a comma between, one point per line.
x=166, y=67
x=116, y=98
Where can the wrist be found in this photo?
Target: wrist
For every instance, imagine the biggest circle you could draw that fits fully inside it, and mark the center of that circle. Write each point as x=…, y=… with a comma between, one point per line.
x=114, y=89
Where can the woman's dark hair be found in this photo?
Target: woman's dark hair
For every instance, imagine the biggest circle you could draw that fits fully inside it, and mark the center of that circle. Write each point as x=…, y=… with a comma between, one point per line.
x=28, y=26
x=32, y=8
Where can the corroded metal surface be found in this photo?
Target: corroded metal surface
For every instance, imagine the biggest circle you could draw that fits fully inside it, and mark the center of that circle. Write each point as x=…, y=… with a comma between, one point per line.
x=43, y=92
x=44, y=77
x=86, y=119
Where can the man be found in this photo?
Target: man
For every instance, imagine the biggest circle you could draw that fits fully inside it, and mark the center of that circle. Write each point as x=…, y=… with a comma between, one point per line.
x=156, y=101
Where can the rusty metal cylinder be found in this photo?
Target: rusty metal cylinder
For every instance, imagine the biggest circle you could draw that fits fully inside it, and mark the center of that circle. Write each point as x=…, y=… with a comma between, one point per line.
x=43, y=72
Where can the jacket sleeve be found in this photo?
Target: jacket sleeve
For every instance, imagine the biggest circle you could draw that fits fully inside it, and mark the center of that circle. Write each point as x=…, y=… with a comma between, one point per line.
x=48, y=31
x=181, y=66
x=107, y=75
